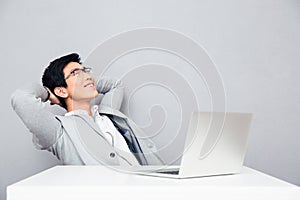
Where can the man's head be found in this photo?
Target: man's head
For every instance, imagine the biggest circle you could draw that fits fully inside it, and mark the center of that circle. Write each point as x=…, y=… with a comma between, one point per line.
x=67, y=79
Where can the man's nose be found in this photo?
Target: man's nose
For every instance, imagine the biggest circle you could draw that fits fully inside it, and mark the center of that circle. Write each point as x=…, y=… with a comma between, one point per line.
x=88, y=76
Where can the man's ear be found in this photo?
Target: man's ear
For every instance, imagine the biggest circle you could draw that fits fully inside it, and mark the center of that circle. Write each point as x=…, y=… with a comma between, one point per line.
x=61, y=92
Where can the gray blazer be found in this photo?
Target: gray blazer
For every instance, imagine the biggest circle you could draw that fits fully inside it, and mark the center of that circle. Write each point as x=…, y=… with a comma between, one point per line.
x=77, y=139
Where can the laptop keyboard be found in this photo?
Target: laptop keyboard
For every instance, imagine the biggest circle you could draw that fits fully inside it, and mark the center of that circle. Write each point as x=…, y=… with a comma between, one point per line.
x=169, y=172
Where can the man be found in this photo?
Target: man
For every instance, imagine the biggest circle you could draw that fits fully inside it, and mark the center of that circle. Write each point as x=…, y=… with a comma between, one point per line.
x=93, y=130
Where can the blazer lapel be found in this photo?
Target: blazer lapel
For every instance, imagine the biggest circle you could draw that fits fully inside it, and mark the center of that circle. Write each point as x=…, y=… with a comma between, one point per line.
x=130, y=139
x=91, y=123
x=108, y=110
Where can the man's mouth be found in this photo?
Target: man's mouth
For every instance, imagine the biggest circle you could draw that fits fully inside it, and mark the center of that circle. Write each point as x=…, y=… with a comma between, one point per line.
x=89, y=85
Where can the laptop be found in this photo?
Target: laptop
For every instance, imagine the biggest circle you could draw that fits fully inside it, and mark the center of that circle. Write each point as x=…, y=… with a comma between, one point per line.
x=215, y=144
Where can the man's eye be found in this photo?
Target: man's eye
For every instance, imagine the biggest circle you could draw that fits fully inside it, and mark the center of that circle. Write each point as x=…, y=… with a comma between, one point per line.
x=74, y=72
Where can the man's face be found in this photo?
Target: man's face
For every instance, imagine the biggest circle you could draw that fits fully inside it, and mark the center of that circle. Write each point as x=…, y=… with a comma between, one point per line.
x=81, y=85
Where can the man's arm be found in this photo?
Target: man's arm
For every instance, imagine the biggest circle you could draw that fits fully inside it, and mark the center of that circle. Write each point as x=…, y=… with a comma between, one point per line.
x=113, y=92
x=29, y=104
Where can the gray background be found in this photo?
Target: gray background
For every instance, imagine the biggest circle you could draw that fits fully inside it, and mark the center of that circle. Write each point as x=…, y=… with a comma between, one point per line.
x=255, y=45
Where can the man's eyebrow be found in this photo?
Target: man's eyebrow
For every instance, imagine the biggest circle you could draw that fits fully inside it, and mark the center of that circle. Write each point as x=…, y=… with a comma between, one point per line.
x=75, y=69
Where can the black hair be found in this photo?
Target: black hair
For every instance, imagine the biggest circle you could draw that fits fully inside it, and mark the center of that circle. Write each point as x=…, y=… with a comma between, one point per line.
x=54, y=76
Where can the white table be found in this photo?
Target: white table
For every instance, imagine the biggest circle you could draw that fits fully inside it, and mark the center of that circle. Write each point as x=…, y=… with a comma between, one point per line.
x=99, y=182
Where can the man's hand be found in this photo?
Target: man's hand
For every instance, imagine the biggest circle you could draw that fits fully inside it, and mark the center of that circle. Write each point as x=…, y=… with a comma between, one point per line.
x=52, y=98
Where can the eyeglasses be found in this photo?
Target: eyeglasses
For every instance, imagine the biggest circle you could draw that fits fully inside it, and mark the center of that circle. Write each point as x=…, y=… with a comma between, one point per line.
x=77, y=71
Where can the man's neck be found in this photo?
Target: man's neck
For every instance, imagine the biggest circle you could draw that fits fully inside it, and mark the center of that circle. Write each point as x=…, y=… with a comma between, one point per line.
x=80, y=106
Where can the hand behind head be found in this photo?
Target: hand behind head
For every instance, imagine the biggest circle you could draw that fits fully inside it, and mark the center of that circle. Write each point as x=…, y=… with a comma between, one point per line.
x=52, y=98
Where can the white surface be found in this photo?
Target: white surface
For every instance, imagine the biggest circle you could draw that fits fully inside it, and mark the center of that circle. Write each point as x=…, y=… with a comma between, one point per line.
x=95, y=182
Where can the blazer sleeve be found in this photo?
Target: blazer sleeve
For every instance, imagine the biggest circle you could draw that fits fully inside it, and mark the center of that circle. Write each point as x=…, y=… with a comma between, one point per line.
x=112, y=90
x=29, y=104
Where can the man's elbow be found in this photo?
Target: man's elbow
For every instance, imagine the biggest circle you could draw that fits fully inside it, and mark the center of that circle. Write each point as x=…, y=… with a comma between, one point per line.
x=15, y=98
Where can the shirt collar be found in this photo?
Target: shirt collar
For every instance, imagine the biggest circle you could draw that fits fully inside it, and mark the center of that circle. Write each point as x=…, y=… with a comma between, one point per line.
x=77, y=112
x=94, y=110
